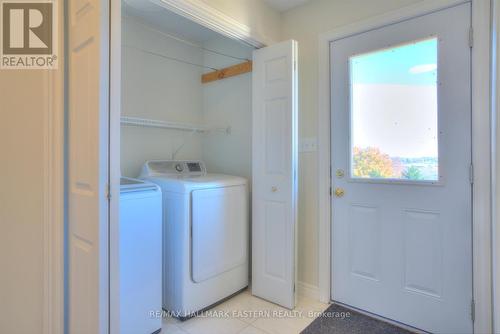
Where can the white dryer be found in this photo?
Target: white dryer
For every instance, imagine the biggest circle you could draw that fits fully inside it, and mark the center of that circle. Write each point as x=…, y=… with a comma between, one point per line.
x=205, y=234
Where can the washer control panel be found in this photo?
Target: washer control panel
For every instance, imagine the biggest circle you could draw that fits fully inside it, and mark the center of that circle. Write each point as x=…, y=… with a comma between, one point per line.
x=181, y=168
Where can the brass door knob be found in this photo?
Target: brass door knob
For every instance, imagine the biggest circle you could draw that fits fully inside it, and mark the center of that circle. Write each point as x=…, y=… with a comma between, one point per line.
x=274, y=189
x=339, y=192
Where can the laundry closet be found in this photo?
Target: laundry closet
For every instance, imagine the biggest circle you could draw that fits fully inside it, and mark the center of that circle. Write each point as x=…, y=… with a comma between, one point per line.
x=167, y=112
x=208, y=157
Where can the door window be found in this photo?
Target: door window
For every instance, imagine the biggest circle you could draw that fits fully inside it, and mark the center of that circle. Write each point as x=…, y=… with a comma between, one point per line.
x=394, y=113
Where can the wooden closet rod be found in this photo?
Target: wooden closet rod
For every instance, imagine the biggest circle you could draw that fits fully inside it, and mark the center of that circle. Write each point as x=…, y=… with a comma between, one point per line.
x=227, y=72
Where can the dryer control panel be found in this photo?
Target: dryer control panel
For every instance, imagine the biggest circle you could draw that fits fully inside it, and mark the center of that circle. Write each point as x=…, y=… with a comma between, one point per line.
x=182, y=168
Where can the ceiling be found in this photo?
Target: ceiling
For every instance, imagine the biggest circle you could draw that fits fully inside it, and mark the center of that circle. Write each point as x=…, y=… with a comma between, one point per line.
x=284, y=5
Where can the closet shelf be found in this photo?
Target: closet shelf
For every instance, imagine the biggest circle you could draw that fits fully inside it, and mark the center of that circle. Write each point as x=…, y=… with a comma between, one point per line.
x=152, y=123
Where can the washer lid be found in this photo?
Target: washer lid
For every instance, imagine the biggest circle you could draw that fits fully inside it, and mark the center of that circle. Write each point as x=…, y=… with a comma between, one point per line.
x=128, y=184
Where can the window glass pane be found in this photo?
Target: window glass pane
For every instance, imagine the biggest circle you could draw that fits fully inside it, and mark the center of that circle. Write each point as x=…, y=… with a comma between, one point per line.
x=394, y=127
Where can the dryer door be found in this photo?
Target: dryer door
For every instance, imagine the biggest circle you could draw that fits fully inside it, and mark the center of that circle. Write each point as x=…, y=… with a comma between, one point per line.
x=219, y=228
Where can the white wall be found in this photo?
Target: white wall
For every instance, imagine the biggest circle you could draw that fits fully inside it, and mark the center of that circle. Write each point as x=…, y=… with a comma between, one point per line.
x=228, y=102
x=304, y=24
x=160, y=89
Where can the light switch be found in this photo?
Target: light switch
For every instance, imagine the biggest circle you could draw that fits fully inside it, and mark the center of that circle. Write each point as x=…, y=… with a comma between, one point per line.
x=308, y=144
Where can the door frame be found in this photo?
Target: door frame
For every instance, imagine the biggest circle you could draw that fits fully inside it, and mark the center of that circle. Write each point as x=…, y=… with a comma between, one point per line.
x=495, y=101
x=481, y=143
x=199, y=12
x=115, y=50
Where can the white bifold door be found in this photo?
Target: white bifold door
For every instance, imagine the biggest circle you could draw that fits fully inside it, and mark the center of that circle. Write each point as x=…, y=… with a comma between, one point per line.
x=87, y=166
x=401, y=171
x=274, y=173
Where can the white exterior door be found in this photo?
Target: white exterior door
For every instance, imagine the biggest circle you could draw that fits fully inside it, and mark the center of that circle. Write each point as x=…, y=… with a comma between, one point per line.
x=274, y=187
x=401, y=171
x=87, y=166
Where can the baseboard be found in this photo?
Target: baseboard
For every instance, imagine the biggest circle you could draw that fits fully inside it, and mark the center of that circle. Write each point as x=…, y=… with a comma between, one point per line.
x=307, y=290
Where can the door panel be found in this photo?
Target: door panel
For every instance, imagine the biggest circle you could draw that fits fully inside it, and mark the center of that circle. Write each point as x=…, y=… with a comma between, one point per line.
x=423, y=256
x=276, y=224
x=275, y=135
x=87, y=168
x=364, y=241
x=274, y=173
x=401, y=157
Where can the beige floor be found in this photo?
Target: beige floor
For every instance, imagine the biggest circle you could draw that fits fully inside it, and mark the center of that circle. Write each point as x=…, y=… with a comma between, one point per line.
x=246, y=314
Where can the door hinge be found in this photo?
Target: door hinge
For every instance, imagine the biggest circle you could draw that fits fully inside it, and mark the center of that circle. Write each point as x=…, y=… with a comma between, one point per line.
x=330, y=191
x=471, y=37
x=108, y=191
x=471, y=174
x=473, y=310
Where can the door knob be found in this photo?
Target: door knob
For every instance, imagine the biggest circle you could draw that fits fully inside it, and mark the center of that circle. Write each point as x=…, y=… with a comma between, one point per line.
x=339, y=192
x=274, y=189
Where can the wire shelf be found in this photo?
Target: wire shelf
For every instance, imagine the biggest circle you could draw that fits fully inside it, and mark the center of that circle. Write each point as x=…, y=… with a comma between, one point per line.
x=152, y=123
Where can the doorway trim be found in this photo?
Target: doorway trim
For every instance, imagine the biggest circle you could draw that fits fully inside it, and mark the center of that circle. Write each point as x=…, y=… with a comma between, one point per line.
x=495, y=101
x=481, y=143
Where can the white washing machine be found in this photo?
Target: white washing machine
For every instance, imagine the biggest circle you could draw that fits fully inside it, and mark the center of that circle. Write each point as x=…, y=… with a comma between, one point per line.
x=205, y=234
x=140, y=245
